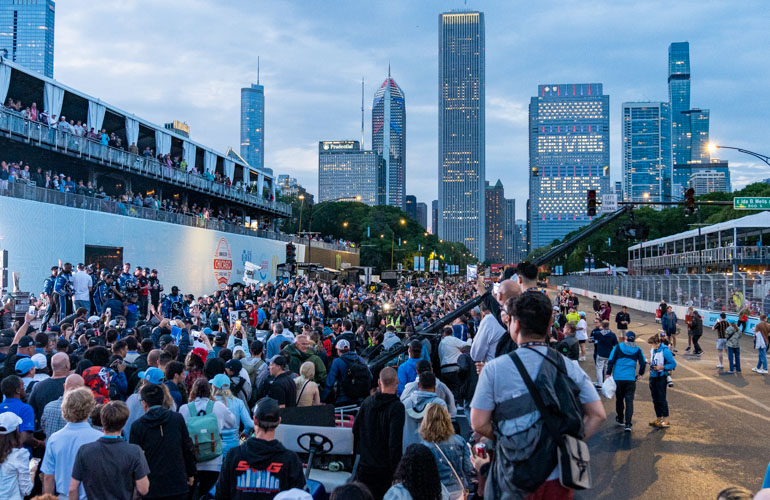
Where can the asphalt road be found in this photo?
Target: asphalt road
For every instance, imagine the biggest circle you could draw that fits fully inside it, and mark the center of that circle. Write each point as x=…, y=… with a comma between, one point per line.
x=719, y=434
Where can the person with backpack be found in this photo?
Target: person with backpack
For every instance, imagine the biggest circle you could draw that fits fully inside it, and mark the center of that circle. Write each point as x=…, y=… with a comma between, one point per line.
x=503, y=407
x=221, y=390
x=622, y=366
x=349, y=376
x=205, y=419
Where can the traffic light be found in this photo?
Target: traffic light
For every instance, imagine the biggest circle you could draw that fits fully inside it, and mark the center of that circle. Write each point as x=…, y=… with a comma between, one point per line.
x=689, y=201
x=291, y=253
x=591, y=205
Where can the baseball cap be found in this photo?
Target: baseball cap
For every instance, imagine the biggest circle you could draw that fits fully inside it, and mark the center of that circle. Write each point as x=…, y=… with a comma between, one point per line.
x=250, y=302
x=166, y=339
x=5, y=341
x=93, y=319
x=208, y=331
x=234, y=366
x=267, y=411
x=630, y=335
x=555, y=308
x=40, y=361
x=279, y=360
x=9, y=422
x=152, y=375
x=221, y=336
x=201, y=353
x=343, y=345
x=24, y=365
x=220, y=381
x=26, y=341
x=582, y=314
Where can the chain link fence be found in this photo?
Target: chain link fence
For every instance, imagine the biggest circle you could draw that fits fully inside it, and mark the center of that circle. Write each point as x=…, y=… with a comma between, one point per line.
x=714, y=292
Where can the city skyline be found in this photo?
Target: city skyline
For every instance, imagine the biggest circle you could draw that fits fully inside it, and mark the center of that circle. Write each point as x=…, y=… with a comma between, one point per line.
x=312, y=101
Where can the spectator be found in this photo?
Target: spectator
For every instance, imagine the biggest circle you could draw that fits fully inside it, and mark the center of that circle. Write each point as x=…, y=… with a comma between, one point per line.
x=307, y=390
x=407, y=371
x=15, y=482
x=449, y=351
x=761, y=341
x=221, y=392
x=442, y=391
x=52, y=388
x=450, y=450
x=416, y=406
x=246, y=465
x=605, y=341
x=733, y=342
x=110, y=467
x=279, y=337
x=280, y=385
x=174, y=375
x=349, y=374
x=51, y=419
x=162, y=435
x=136, y=410
x=351, y=491
x=417, y=477
x=300, y=352
x=661, y=363
x=14, y=396
x=378, y=434
x=622, y=366
x=62, y=447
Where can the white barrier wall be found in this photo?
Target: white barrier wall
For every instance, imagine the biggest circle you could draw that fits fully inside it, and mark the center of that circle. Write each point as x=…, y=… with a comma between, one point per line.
x=197, y=260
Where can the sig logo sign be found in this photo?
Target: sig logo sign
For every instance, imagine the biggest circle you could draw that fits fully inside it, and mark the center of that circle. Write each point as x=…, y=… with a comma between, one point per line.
x=223, y=264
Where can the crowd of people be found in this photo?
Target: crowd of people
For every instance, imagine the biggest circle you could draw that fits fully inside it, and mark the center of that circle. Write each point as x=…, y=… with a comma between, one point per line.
x=123, y=391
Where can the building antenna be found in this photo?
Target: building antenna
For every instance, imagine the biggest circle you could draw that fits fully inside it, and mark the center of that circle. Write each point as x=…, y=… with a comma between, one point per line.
x=257, y=70
x=362, y=113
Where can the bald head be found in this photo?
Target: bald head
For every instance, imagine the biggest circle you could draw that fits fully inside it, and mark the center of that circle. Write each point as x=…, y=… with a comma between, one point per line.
x=388, y=380
x=60, y=364
x=508, y=289
x=153, y=358
x=74, y=381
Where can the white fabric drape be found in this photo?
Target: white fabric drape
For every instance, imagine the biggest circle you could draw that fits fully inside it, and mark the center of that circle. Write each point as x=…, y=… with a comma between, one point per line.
x=210, y=162
x=246, y=175
x=53, y=100
x=5, y=81
x=96, y=115
x=132, y=131
x=162, y=143
x=260, y=183
x=230, y=169
x=188, y=152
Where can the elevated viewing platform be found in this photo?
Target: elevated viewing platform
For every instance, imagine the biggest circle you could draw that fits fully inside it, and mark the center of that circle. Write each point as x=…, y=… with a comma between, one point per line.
x=735, y=245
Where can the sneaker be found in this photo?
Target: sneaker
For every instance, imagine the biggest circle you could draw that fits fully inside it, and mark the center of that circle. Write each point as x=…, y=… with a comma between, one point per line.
x=663, y=424
x=720, y=366
x=730, y=371
x=688, y=349
x=698, y=353
x=763, y=372
x=755, y=370
x=582, y=358
x=655, y=423
x=670, y=381
x=627, y=428
x=618, y=421
x=675, y=349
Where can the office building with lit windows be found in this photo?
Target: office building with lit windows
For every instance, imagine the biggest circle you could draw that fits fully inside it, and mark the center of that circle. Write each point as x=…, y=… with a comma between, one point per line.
x=389, y=139
x=346, y=172
x=705, y=181
x=647, y=161
x=461, y=143
x=495, y=209
x=26, y=33
x=716, y=169
x=253, y=126
x=411, y=206
x=510, y=238
x=422, y=214
x=679, y=99
x=569, y=154
x=434, y=217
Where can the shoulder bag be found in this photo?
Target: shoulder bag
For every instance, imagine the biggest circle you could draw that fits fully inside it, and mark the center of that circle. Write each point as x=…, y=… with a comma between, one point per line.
x=465, y=491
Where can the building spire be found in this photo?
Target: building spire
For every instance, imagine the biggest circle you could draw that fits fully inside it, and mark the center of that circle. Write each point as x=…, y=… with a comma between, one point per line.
x=257, y=70
x=388, y=69
x=362, y=113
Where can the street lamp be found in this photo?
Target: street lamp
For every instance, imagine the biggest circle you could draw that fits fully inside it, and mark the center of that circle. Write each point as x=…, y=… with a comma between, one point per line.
x=345, y=224
x=301, y=204
x=713, y=147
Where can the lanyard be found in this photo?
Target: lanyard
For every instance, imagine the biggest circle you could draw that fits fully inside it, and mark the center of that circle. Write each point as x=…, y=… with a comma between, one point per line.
x=533, y=344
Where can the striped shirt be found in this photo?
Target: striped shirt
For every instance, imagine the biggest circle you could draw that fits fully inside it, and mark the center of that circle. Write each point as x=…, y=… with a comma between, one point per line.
x=52, y=420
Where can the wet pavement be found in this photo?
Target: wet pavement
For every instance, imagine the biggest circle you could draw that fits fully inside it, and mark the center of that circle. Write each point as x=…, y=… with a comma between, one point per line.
x=719, y=434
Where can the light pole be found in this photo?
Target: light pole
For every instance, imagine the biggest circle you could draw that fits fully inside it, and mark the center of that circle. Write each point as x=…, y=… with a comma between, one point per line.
x=301, y=204
x=713, y=147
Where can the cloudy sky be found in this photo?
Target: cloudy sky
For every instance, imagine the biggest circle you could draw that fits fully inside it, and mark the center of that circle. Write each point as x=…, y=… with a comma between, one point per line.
x=188, y=59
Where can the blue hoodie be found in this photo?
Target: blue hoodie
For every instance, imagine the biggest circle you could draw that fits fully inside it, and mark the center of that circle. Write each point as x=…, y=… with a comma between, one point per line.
x=668, y=362
x=415, y=407
x=623, y=359
x=605, y=342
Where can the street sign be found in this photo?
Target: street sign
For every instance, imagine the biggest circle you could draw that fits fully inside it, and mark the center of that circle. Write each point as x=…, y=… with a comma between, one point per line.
x=751, y=203
x=609, y=203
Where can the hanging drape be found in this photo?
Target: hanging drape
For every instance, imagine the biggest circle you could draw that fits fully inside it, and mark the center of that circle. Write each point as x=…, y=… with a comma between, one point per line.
x=188, y=152
x=53, y=100
x=132, y=131
x=260, y=183
x=230, y=169
x=210, y=162
x=162, y=143
x=5, y=81
x=246, y=175
x=96, y=115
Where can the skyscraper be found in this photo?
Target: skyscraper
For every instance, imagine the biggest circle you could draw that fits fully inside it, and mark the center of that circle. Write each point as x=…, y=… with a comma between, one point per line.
x=422, y=214
x=26, y=33
x=715, y=169
x=253, y=126
x=509, y=232
x=461, y=168
x=346, y=172
x=619, y=190
x=495, y=210
x=522, y=241
x=647, y=167
x=434, y=217
x=389, y=138
x=569, y=154
x=679, y=98
x=411, y=206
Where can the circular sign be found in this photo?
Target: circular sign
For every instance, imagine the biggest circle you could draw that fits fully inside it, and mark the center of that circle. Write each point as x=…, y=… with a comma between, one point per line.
x=223, y=264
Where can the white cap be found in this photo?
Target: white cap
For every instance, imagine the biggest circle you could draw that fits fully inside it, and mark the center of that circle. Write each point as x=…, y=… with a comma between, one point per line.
x=40, y=361
x=293, y=494
x=9, y=422
x=343, y=344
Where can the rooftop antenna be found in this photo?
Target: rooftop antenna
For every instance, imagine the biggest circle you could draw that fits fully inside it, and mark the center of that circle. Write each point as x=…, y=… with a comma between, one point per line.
x=362, y=113
x=257, y=70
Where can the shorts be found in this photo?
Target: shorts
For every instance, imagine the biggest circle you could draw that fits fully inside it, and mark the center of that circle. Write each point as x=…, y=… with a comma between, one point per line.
x=721, y=344
x=581, y=341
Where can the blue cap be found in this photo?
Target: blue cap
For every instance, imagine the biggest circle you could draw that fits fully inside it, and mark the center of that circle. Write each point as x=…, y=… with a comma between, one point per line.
x=630, y=335
x=152, y=375
x=24, y=365
x=208, y=331
x=220, y=381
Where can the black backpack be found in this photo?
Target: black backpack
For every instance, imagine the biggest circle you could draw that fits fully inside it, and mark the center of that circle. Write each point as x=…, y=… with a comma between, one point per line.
x=357, y=380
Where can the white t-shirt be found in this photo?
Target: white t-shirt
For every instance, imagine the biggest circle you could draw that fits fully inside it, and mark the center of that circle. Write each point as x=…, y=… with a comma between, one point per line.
x=580, y=333
x=80, y=282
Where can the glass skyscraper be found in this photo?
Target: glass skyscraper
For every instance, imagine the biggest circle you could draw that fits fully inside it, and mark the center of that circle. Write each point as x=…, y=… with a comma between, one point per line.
x=253, y=126
x=647, y=167
x=679, y=98
x=569, y=154
x=345, y=172
x=461, y=143
x=495, y=209
x=389, y=134
x=26, y=33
